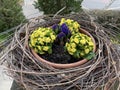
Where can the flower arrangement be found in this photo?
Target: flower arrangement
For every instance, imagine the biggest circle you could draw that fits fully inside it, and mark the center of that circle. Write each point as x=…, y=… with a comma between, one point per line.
x=79, y=45
x=41, y=40
x=65, y=34
x=72, y=25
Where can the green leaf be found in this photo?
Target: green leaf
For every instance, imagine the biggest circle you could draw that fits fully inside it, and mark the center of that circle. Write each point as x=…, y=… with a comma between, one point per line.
x=50, y=51
x=76, y=54
x=89, y=56
x=65, y=48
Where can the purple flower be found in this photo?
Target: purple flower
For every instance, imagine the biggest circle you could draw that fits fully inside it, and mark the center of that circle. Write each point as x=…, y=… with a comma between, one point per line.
x=65, y=29
x=61, y=35
x=55, y=26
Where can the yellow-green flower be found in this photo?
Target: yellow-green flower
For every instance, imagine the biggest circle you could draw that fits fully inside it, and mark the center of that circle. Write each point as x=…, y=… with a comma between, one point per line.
x=39, y=48
x=48, y=40
x=46, y=48
x=36, y=35
x=36, y=50
x=83, y=41
x=91, y=48
x=76, y=40
x=90, y=43
x=82, y=54
x=71, y=28
x=41, y=41
x=69, y=21
x=87, y=51
x=53, y=37
x=33, y=43
x=41, y=52
x=66, y=44
x=69, y=48
x=39, y=32
x=71, y=53
x=42, y=34
x=73, y=45
x=62, y=21
x=32, y=36
x=75, y=25
x=73, y=50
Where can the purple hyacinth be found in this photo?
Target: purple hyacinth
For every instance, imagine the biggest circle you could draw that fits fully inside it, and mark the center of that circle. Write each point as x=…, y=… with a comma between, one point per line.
x=61, y=35
x=65, y=29
x=55, y=26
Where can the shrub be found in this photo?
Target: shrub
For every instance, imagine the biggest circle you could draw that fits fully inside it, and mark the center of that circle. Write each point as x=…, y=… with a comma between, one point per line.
x=53, y=6
x=10, y=13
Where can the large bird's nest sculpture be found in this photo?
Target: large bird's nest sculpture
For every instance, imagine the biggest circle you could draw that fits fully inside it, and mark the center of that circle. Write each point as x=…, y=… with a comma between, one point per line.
x=102, y=71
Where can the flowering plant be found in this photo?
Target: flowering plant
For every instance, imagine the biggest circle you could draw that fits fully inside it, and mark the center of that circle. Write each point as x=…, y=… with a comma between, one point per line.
x=71, y=24
x=65, y=29
x=65, y=34
x=79, y=45
x=41, y=40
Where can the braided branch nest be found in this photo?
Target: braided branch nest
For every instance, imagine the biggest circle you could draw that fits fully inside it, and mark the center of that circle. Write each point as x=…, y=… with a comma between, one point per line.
x=34, y=75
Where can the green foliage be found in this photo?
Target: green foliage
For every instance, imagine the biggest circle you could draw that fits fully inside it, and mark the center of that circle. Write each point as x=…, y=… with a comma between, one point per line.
x=89, y=56
x=53, y=6
x=10, y=14
x=2, y=37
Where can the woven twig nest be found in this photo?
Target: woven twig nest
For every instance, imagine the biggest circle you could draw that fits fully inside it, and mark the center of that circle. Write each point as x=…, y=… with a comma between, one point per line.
x=35, y=75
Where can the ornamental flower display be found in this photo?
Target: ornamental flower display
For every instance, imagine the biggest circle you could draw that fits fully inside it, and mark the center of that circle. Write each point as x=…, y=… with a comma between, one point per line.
x=79, y=45
x=71, y=24
x=63, y=33
x=62, y=40
x=41, y=40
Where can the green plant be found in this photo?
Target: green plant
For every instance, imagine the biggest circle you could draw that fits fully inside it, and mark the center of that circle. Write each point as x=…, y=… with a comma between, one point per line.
x=79, y=45
x=10, y=13
x=71, y=24
x=65, y=29
x=41, y=40
x=65, y=34
x=53, y=6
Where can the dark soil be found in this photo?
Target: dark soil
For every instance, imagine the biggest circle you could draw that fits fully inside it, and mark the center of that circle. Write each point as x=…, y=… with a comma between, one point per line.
x=59, y=55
